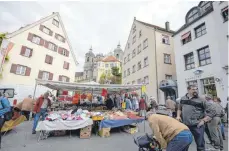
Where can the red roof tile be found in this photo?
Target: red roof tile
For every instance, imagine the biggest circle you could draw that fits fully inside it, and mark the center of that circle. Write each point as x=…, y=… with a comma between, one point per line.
x=110, y=59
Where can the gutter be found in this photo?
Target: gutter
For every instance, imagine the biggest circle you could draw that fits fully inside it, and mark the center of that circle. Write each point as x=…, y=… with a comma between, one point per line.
x=156, y=64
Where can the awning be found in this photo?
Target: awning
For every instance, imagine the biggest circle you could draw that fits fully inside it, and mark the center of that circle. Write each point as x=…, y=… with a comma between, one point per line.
x=185, y=35
x=225, y=9
x=167, y=85
x=57, y=85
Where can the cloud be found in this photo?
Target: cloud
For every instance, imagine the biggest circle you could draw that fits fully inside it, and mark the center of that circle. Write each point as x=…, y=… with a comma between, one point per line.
x=101, y=24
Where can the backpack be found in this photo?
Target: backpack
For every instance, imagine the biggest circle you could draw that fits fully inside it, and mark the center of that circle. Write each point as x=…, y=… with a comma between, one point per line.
x=8, y=115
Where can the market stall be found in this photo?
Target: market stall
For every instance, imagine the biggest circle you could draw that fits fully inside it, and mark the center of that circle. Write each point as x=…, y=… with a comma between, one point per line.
x=107, y=120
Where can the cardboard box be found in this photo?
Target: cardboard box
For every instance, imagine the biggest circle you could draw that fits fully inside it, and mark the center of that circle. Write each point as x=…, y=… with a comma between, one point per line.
x=85, y=132
x=131, y=129
x=104, y=132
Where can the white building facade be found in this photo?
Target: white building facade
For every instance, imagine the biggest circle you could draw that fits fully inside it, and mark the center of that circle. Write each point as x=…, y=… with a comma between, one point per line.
x=149, y=60
x=201, y=50
x=41, y=51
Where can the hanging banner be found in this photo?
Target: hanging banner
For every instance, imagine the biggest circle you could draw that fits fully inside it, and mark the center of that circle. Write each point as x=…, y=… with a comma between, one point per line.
x=143, y=89
x=6, y=46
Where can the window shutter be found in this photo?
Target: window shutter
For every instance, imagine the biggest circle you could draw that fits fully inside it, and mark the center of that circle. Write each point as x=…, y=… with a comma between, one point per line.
x=23, y=48
x=47, y=59
x=50, y=76
x=67, y=65
x=56, y=35
x=60, y=50
x=40, y=74
x=50, y=32
x=42, y=42
x=68, y=79
x=41, y=27
x=28, y=70
x=50, y=59
x=46, y=44
x=31, y=53
x=13, y=68
x=67, y=53
x=64, y=65
x=63, y=40
x=30, y=37
x=60, y=78
x=55, y=49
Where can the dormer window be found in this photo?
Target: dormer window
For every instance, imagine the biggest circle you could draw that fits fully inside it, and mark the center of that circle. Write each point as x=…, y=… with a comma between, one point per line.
x=192, y=14
x=205, y=5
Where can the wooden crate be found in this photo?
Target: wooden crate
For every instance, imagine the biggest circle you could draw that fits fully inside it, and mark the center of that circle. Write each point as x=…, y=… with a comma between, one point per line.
x=104, y=132
x=86, y=132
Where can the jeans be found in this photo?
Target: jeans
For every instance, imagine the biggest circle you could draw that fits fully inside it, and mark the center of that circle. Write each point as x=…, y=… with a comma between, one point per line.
x=198, y=134
x=180, y=142
x=42, y=113
x=26, y=114
x=222, y=130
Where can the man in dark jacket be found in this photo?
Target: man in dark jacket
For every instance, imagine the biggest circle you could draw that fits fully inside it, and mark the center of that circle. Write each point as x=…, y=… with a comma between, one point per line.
x=109, y=103
x=195, y=113
x=40, y=109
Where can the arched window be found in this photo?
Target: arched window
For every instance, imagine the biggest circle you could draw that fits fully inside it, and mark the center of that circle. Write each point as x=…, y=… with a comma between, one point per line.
x=205, y=5
x=192, y=14
x=117, y=56
x=88, y=59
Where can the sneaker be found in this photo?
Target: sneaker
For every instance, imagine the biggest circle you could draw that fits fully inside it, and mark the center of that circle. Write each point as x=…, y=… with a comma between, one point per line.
x=34, y=132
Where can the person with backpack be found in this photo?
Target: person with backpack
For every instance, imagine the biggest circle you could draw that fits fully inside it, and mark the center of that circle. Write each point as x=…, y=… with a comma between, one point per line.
x=5, y=112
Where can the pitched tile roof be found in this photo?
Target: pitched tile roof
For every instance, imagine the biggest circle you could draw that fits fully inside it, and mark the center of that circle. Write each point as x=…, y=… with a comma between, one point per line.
x=154, y=26
x=110, y=59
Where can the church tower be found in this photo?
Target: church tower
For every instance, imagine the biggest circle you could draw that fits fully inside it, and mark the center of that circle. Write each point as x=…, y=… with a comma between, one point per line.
x=88, y=65
x=118, y=53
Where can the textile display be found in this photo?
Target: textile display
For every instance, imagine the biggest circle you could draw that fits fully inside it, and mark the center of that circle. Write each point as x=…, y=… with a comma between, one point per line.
x=62, y=125
x=118, y=123
x=9, y=125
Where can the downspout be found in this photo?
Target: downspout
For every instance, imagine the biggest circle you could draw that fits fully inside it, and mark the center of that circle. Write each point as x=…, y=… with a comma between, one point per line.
x=155, y=54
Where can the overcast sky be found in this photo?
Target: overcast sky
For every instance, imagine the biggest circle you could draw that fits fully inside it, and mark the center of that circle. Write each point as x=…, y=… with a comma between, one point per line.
x=100, y=24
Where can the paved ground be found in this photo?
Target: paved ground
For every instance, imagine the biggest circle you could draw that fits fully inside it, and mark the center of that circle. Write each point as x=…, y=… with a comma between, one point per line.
x=23, y=140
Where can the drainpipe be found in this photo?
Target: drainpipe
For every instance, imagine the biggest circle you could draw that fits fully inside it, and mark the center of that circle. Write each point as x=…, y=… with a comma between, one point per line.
x=155, y=54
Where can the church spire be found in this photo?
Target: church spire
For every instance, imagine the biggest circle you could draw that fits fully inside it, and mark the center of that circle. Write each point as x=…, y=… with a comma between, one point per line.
x=90, y=48
x=118, y=44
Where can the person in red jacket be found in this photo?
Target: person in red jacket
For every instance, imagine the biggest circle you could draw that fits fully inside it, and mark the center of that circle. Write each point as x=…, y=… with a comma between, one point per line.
x=40, y=109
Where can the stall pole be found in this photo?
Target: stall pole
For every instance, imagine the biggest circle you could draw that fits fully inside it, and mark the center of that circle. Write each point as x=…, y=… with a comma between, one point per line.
x=92, y=97
x=144, y=113
x=31, y=113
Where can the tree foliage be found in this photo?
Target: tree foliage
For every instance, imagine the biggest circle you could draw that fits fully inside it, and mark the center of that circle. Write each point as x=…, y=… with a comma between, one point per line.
x=2, y=36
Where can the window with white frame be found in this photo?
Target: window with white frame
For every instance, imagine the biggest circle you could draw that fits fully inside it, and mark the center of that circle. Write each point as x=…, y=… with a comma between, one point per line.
x=55, y=22
x=64, y=79
x=204, y=56
x=125, y=60
x=134, y=29
x=193, y=15
x=128, y=71
x=46, y=30
x=51, y=46
x=27, y=52
x=168, y=77
x=189, y=61
x=190, y=83
x=36, y=39
x=165, y=39
x=112, y=65
x=133, y=68
x=134, y=39
x=139, y=65
x=107, y=65
x=45, y=76
x=124, y=73
x=128, y=45
x=140, y=33
x=187, y=37
x=21, y=70
x=146, y=61
x=139, y=48
x=200, y=30
x=133, y=53
x=139, y=81
x=167, y=58
x=65, y=52
x=145, y=43
x=146, y=80
x=128, y=57
x=60, y=38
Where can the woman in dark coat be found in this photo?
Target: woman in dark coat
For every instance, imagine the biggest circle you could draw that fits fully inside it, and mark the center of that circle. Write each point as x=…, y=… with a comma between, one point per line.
x=109, y=103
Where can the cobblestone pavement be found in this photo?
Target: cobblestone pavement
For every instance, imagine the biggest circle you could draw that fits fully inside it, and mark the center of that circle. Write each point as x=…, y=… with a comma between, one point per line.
x=23, y=140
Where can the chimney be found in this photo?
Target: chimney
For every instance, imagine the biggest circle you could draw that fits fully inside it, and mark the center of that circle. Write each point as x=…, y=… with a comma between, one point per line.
x=167, y=26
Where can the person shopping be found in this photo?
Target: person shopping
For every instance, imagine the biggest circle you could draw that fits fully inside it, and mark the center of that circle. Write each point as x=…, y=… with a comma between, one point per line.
x=40, y=109
x=170, y=133
x=5, y=108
